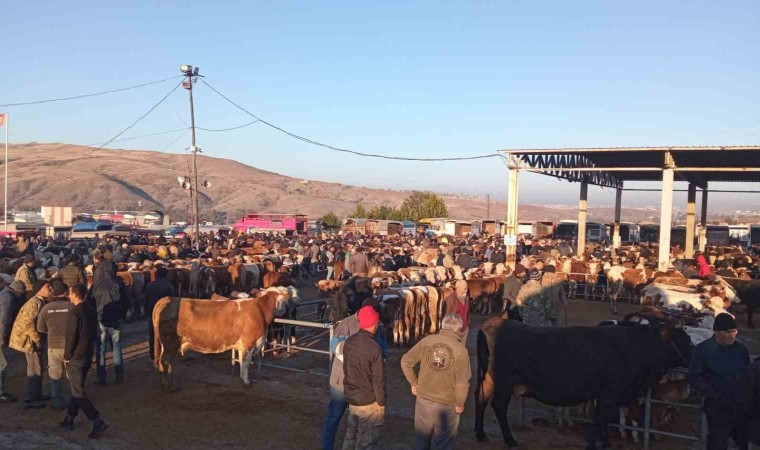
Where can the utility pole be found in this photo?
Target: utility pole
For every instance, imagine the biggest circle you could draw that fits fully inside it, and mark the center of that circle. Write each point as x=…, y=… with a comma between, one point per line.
x=191, y=74
x=488, y=206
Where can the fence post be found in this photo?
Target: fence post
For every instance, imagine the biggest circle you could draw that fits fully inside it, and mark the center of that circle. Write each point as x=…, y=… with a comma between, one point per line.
x=647, y=419
x=520, y=411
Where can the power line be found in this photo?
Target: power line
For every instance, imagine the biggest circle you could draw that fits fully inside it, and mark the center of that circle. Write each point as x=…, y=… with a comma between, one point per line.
x=75, y=97
x=133, y=123
x=353, y=152
x=159, y=133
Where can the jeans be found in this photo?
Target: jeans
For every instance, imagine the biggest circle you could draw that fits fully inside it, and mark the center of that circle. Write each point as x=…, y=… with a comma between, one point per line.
x=114, y=332
x=435, y=425
x=335, y=411
x=35, y=362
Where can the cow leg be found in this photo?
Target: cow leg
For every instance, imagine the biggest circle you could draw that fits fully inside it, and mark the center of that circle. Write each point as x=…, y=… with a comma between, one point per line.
x=573, y=286
x=598, y=429
x=483, y=394
x=750, y=311
x=502, y=396
x=245, y=365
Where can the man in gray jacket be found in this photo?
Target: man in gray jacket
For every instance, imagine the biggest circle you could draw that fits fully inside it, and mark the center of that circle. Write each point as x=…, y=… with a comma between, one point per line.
x=10, y=301
x=441, y=386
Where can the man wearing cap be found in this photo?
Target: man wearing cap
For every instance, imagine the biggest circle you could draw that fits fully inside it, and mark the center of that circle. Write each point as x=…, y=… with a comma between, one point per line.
x=72, y=273
x=26, y=274
x=441, y=385
x=11, y=299
x=26, y=339
x=52, y=322
x=716, y=367
x=364, y=383
x=532, y=300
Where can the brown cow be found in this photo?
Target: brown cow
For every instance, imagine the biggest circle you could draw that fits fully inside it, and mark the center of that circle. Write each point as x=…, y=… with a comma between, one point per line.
x=205, y=326
x=272, y=279
x=485, y=386
x=481, y=292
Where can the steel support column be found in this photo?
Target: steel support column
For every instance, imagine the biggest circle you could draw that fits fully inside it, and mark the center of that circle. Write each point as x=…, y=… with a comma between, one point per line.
x=512, y=207
x=616, y=230
x=582, y=211
x=691, y=212
x=703, y=222
x=666, y=213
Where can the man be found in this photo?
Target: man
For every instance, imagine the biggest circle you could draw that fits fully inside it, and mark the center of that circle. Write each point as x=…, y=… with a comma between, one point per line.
x=52, y=322
x=441, y=386
x=81, y=332
x=716, y=367
x=511, y=288
x=533, y=302
x=556, y=294
x=358, y=265
x=337, y=407
x=26, y=339
x=72, y=273
x=154, y=292
x=105, y=291
x=10, y=299
x=26, y=274
x=364, y=383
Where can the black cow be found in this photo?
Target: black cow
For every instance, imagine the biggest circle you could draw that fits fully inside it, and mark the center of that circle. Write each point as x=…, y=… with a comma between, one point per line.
x=749, y=293
x=568, y=366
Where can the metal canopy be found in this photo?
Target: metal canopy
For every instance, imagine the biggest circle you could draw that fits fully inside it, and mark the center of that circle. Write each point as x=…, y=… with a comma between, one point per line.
x=611, y=166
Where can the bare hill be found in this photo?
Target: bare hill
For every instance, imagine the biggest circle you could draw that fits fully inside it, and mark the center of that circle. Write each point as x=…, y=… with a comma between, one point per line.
x=87, y=178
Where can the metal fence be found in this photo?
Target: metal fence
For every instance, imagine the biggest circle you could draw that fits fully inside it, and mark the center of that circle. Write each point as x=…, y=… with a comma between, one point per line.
x=646, y=430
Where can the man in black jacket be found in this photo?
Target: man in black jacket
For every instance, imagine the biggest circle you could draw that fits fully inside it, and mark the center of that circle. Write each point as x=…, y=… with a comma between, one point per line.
x=364, y=383
x=81, y=330
x=154, y=292
x=105, y=291
x=716, y=369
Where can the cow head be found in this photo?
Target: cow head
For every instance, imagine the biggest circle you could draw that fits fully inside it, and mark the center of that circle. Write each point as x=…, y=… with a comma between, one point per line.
x=680, y=347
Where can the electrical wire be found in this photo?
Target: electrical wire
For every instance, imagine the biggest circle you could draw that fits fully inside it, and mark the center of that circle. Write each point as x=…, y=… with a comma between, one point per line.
x=229, y=129
x=343, y=150
x=133, y=123
x=131, y=138
x=75, y=97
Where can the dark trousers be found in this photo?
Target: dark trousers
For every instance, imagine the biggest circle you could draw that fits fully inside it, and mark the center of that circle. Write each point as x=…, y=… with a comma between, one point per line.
x=76, y=372
x=151, y=336
x=335, y=411
x=722, y=425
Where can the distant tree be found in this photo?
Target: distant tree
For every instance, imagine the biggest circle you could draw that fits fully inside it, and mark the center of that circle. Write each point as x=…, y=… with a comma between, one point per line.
x=330, y=221
x=360, y=212
x=423, y=204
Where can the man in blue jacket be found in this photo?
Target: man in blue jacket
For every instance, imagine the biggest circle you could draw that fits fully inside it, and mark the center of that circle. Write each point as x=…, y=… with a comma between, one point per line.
x=716, y=372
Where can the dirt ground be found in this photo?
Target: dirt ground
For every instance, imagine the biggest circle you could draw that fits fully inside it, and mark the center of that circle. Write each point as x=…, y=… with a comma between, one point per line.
x=283, y=410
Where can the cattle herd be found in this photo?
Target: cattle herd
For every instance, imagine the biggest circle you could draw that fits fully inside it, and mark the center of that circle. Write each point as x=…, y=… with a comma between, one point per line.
x=228, y=298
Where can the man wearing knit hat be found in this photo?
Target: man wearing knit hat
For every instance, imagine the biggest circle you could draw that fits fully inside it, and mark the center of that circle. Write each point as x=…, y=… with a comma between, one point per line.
x=364, y=383
x=52, y=321
x=533, y=301
x=716, y=366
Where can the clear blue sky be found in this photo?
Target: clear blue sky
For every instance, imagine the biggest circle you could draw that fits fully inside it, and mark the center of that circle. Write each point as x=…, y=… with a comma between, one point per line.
x=427, y=79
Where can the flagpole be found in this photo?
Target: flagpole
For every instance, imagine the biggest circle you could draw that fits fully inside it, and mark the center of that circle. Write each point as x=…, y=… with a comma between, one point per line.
x=5, y=163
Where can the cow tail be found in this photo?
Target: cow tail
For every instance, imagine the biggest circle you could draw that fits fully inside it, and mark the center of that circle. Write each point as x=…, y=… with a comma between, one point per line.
x=158, y=349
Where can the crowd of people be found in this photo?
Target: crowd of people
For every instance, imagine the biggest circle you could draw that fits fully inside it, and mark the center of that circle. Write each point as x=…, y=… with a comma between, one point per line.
x=60, y=324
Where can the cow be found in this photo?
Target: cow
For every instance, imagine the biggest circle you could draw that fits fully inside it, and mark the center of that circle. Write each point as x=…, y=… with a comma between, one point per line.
x=182, y=324
x=749, y=292
x=482, y=291
x=272, y=279
x=577, y=355
x=484, y=377
x=578, y=272
x=327, y=289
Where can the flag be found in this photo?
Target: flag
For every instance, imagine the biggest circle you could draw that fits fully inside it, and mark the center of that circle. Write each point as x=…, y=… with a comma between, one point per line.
x=2, y=119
